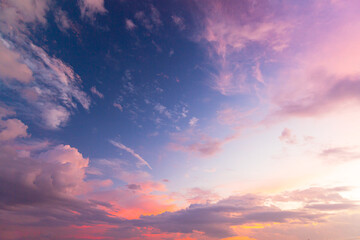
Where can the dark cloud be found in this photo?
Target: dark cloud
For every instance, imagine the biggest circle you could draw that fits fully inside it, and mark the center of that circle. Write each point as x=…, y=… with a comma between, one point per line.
x=215, y=219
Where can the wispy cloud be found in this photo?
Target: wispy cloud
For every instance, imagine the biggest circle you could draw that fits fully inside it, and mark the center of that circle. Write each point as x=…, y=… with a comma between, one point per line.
x=96, y=92
x=178, y=21
x=129, y=24
x=132, y=152
x=89, y=8
x=152, y=20
x=50, y=87
x=229, y=28
x=287, y=136
x=340, y=154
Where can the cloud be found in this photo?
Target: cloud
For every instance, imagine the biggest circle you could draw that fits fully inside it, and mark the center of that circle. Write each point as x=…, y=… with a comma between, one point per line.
x=340, y=154
x=62, y=20
x=193, y=121
x=132, y=152
x=233, y=117
x=162, y=110
x=312, y=83
x=89, y=8
x=130, y=25
x=179, y=22
x=229, y=28
x=155, y=15
x=217, y=220
x=16, y=14
x=96, y=92
x=118, y=106
x=11, y=129
x=196, y=142
x=330, y=98
x=41, y=191
x=46, y=83
x=152, y=21
x=55, y=173
x=200, y=196
x=287, y=137
x=10, y=60
x=55, y=116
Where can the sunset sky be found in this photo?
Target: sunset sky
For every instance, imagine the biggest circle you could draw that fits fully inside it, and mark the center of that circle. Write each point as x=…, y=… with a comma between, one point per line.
x=180, y=119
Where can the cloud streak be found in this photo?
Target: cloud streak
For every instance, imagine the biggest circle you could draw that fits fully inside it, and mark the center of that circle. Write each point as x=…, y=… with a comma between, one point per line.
x=132, y=152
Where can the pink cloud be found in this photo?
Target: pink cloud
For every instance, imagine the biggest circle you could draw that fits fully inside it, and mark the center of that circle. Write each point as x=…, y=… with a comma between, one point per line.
x=200, y=196
x=314, y=82
x=11, y=129
x=15, y=14
x=229, y=28
x=233, y=117
x=197, y=142
x=287, y=136
x=10, y=60
x=96, y=92
x=340, y=154
x=129, y=24
x=179, y=22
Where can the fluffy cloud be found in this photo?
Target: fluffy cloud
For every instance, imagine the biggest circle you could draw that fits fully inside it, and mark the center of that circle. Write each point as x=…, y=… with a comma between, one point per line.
x=55, y=173
x=16, y=14
x=10, y=60
x=194, y=141
x=11, y=129
x=193, y=121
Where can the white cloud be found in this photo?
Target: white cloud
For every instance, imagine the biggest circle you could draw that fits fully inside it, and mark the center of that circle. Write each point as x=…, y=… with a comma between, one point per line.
x=132, y=152
x=193, y=121
x=55, y=116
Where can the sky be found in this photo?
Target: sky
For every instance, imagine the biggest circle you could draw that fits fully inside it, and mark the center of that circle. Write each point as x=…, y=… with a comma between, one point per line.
x=169, y=119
